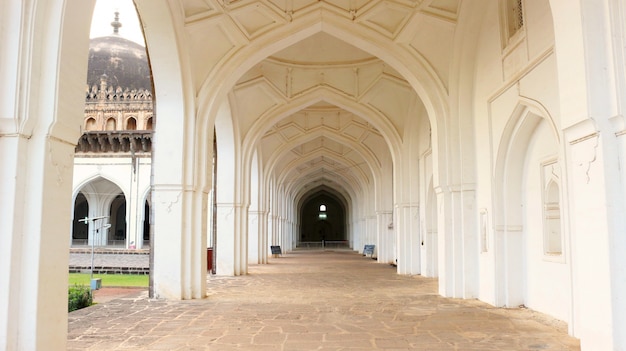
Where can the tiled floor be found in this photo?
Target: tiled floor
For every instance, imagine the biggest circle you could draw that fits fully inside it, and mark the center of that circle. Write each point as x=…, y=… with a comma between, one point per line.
x=314, y=300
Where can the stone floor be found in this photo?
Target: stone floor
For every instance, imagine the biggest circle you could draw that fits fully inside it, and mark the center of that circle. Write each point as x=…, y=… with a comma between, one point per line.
x=314, y=300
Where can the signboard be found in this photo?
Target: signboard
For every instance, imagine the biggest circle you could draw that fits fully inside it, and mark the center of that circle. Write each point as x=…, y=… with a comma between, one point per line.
x=368, y=250
x=276, y=250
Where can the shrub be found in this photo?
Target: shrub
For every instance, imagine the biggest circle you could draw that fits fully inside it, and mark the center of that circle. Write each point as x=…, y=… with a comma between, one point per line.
x=79, y=296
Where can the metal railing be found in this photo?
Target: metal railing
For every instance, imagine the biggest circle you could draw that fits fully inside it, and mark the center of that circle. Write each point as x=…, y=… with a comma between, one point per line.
x=324, y=244
x=110, y=243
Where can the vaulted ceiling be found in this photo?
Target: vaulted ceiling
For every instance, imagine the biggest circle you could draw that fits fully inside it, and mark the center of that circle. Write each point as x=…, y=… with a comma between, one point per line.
x=298, y=103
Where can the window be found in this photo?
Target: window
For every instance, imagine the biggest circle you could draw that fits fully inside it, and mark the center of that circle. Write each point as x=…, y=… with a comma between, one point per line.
x=515, y=16
x=91, y=124
x=512, y=21
x=131, y=124
x=111, y=124
x=552, y=220
x=484, y=247
x=322, y=214
x=552, y=238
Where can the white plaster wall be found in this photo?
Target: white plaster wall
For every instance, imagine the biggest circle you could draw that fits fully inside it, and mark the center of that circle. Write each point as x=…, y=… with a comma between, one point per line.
x=547, y=277
x=527, y=74
x=428, y=220
x=116, y=169
x=488, y=77
x=134, y=185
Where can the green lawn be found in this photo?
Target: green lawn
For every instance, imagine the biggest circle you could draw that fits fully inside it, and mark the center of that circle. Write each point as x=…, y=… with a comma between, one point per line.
x=133, y=280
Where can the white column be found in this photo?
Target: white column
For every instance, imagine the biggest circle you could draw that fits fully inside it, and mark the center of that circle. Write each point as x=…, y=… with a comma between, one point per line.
x=144, y=166
x=457, y=243
x=386, y=237
x=592, y=88
x=253, y=237
x=243, y=233
x=372, y=232
x=226, y=240
x=359, y=233
x=33, y=246
x=409, y=236
x=43, y=61
x=133, y=208
x=263, y=237
x=232, y=252
x=181, y=158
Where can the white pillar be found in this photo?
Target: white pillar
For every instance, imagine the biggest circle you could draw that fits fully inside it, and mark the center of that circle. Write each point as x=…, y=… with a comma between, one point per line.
x=33, y=248
x=385, y=238
x=253, y=237
x=457, y=244
x=134, y=207
x=263, y=237
x=226, y=241
x=243, y=233
x=409, y=235
x=43, y=60
x=592, y=93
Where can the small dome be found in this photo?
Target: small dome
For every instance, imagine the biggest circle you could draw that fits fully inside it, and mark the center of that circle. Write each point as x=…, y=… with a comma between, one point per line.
x=123, y=61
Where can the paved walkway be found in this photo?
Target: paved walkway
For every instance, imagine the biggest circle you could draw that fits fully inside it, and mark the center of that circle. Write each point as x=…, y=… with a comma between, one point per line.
x=314, y=300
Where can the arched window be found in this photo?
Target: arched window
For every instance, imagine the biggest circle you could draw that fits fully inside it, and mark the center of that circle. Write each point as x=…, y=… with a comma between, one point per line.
x=80, y=235
x=131, y=124
x=552, y=219
x=322, y=214
x=90, y=124
x=515, y=16
x=149, y=124
x=117, y=219
x=111, y=124
x=512, y=21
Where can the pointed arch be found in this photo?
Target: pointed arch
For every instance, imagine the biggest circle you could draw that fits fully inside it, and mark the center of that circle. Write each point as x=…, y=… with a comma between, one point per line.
x=510, y=232
x=131, y=123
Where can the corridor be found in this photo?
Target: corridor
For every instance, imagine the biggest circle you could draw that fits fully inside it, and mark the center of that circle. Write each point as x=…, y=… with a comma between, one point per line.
x=314, y=300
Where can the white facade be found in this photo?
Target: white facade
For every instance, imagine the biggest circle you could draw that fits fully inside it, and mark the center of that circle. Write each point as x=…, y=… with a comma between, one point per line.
x=101, y=179
x=476, y=141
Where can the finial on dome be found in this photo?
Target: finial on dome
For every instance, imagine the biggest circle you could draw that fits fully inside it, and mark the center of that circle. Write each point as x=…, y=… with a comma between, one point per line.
x=116, y=24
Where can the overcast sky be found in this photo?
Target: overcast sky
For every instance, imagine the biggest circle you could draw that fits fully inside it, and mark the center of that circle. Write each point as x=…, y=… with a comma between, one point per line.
x=104, y=15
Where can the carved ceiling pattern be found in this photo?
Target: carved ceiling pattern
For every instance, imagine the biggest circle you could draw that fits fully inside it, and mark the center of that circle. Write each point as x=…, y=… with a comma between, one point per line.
x=320, y=141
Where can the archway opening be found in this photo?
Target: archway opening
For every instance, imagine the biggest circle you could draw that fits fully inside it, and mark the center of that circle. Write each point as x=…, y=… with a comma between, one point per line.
x=80, y=231
x=117, y=234
x=323, y=219
x=146, y=225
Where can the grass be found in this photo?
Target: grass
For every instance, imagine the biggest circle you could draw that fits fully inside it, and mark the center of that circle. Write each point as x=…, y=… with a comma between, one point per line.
x=111, y=280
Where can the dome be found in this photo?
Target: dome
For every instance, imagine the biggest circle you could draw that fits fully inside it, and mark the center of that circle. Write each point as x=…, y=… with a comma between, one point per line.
x=124, y=62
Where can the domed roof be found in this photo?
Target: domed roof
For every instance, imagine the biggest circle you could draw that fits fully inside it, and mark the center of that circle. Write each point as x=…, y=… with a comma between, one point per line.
x=124, y=62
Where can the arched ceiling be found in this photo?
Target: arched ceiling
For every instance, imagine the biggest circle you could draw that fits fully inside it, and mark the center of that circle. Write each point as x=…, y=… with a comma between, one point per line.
x=100, y=187
x=322, y=139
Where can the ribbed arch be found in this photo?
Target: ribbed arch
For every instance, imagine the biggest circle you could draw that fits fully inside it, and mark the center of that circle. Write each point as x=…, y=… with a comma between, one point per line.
x=312, y=175
x=367, y=154
x=322, y=94
x=518, y=130
x=340, y=194
x=414, y=68
x=91, y=185
x=508, y=217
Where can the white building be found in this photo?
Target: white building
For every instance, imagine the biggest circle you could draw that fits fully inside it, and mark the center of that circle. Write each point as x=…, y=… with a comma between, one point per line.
x=112, y=164
x=480, y=142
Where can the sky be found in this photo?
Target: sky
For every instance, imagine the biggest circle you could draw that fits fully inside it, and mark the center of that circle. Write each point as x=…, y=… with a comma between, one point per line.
x=104, y=15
